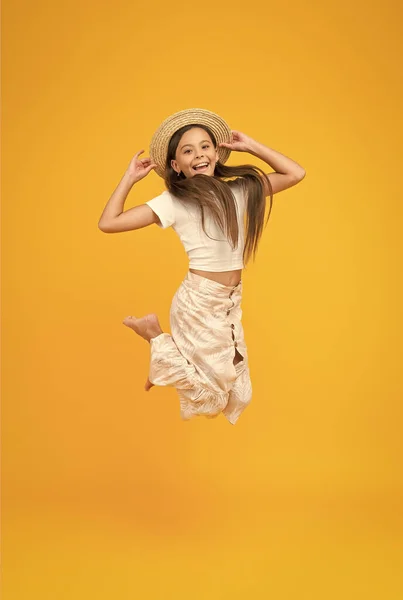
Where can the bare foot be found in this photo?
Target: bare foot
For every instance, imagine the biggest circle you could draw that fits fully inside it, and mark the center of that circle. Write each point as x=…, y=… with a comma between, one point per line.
x=148, y=385
x=147, y=327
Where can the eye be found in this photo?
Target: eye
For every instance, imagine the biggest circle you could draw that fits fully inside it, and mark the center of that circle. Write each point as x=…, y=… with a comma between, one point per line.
x=206, y=145
x=187, y=151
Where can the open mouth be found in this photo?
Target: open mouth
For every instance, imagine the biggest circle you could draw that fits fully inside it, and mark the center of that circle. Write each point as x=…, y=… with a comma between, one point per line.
x=201, y=167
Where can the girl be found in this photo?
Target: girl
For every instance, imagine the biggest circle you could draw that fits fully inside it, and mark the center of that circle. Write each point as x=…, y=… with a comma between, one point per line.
x=218, y=213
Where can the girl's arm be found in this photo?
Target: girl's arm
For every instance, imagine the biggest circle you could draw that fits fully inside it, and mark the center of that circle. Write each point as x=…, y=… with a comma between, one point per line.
x=287, y=171
x=113, y=219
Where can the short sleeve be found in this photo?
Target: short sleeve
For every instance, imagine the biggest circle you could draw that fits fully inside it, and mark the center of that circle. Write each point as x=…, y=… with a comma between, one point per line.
x=163, y=207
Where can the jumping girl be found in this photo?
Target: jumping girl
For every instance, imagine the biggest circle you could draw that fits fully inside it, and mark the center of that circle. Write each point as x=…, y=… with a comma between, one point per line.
x=218, y=212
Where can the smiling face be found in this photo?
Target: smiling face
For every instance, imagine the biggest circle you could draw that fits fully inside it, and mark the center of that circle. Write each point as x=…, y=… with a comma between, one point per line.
x=195, y=153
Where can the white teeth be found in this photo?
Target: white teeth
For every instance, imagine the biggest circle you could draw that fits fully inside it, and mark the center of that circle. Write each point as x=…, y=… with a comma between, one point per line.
x=201, y=165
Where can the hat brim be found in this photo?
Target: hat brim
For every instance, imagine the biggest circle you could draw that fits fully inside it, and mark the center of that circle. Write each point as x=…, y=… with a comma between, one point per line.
x=192, y=116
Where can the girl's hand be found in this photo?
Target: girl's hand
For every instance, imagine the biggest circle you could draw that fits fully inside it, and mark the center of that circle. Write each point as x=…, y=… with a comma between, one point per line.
x=240, y=142
x=139, y=167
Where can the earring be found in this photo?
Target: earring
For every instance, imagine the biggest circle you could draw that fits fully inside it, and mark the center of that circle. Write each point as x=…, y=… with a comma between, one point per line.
x=179, y=174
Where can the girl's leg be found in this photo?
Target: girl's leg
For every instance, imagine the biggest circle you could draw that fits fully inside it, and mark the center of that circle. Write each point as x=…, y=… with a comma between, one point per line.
x=147, y=327
x=240, y=394
x=168, y=367
x=194, y=359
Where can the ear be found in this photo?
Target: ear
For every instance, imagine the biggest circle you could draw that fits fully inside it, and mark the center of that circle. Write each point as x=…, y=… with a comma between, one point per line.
x=174, y=165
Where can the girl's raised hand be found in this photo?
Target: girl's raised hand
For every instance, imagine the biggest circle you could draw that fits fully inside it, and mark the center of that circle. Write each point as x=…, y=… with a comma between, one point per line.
x=139, y=167
x=240, y=142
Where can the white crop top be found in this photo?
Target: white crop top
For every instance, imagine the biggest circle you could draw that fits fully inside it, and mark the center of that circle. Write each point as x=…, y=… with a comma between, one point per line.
x=205, y=254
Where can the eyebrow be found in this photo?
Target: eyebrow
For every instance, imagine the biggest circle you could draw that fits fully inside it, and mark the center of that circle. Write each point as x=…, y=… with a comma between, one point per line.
x=202, y=142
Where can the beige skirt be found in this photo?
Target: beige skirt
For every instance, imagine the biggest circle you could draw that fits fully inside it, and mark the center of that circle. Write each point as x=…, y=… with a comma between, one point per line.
x=197, y=357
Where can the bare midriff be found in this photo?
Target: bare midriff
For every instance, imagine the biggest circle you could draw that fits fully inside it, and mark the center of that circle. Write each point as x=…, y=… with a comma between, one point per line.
x=230, y=278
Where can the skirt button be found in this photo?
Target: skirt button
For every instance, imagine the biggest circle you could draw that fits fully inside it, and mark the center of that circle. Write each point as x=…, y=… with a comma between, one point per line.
x=228, y=312
x=235, y=344
x=232, y=326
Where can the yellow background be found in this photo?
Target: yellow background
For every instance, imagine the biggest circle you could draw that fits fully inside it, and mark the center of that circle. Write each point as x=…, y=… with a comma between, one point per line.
x=106, y=492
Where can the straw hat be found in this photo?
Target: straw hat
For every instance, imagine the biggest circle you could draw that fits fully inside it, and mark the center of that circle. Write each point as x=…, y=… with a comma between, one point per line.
x=190, y=116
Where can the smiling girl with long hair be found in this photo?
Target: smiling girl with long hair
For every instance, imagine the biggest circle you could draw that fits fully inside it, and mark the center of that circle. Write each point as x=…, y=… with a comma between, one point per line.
x=218, y=212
